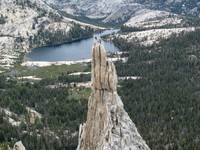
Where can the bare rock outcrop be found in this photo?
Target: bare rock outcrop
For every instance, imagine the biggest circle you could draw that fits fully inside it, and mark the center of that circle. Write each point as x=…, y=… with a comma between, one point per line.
x=19, y=146
x=108, y=126
x=33, y=116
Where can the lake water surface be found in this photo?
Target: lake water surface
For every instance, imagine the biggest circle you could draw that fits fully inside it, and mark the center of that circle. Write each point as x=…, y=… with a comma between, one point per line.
x=71, y=51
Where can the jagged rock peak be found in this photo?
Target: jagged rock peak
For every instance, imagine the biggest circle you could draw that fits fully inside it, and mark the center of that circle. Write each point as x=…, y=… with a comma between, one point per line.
x=104, y=75
x=108, y=126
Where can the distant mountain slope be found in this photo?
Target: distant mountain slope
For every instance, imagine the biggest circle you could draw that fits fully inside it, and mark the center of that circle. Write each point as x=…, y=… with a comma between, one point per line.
x=146, y=18
x=27, y=24
x=108, y=11
x=118, y=11
x=184, y=7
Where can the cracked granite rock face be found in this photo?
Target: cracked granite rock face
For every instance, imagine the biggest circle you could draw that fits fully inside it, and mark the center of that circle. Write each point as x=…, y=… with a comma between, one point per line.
x=19, y=146
x=108, y=126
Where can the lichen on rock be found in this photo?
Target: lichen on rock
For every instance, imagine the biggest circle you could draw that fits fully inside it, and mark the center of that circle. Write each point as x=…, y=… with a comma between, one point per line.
x=108, y=126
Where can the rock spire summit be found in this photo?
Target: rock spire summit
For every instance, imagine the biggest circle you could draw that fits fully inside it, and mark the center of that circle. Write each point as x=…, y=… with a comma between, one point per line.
x=108, y=126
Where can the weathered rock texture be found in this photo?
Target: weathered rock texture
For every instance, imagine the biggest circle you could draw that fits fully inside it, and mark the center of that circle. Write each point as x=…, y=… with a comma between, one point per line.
x=19, y=146
x=108, y=126
x=33, y=116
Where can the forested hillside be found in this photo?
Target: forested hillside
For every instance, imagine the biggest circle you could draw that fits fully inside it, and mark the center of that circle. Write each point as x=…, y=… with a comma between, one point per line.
x=43, y=103
x=164, y=102
x=62, y=109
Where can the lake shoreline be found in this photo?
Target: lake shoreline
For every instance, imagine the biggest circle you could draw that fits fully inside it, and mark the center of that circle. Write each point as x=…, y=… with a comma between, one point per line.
x=61, y=43
x=73, y=50
x=69, y=41
x=58, y=63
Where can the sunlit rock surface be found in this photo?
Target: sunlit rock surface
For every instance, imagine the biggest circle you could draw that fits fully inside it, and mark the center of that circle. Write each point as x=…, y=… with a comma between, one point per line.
x=19, y=146
x=108, y=126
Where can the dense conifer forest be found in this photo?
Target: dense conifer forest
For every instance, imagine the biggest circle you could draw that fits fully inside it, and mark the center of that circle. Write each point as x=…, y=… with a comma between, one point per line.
x=164, y=103
x=46, y=37
x=63, y=109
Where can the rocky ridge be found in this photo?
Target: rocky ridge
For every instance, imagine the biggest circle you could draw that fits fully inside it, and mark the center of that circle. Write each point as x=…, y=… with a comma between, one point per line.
x=118, y=11
x=22, y=22
x=108, y=126
x=153, y=36
x=29, y=24
x=146, y=18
